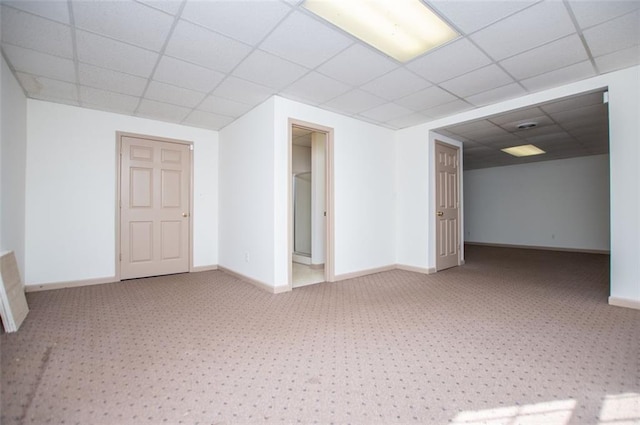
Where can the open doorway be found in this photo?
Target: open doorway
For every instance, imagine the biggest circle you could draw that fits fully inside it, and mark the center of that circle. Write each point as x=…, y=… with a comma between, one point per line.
x=309, y=207
x=557, y=199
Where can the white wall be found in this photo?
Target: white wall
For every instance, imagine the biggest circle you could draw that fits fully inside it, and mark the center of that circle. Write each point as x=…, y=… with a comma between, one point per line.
x=556, y=204
x=624, y=110
x=364, y=185
x=71, y=190
x=246, y=195
x=13, y=157
x=254, y=192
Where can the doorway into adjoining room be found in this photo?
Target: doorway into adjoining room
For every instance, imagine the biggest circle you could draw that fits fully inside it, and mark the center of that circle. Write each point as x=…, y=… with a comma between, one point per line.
x=309, y=221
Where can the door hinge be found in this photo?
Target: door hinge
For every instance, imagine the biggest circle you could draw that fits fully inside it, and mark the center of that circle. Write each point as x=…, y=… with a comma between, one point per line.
x=120, y=257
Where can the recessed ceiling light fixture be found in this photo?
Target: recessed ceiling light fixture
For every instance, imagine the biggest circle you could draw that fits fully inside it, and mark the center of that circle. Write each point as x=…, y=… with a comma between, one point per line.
x=403, y=29
x=523, y=150
x=527, y=125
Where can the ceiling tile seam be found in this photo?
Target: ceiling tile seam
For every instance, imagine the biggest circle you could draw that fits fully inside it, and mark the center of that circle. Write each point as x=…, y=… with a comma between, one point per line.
x=583, y=40
x=499, y=19
x=2, y=4
x=176, y=19
x=151, y=6
x=74, y=49
x=253, y=49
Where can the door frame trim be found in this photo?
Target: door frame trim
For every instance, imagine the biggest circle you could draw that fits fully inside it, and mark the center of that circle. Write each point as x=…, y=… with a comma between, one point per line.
x=438, y=141
x=329, y=246
x=119, y=135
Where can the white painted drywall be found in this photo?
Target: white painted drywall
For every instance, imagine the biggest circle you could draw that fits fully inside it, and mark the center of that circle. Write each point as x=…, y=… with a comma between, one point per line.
x=71, y=190
x=364, y=176
x=246, y=178
x=624, y=109
x=13, y=154
x=254, y=192
x=554, y=204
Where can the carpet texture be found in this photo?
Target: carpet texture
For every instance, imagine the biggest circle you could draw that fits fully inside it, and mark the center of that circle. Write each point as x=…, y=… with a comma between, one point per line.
x=512, y=337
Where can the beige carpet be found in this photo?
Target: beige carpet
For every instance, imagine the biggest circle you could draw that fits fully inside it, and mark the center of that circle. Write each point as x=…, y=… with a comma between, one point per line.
x=512, y=337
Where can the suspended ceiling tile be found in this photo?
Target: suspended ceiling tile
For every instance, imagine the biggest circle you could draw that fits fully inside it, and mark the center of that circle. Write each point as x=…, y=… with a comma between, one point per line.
x=496, y=95
x=426, y=98
x=110, y=80
x=248, y=22
x=316, y=88
x=487, y=78
x=162, y=111
x=40, y=64
x=449, y=61
x=221, y=106
x=345, y=66
x=621, y=59
x=470, y=16
x=269, y=70
x=203, y=47
x=355, y=101
x=499, y=141
x=553, y=138
x=386, y=112
x=46, y=88
x=552, y=56
x=541, y=121
x=588, y=112
x=167, y=93
x=129, y=22
x=108, y=101
x=532, y=27
x=396, y=84
x=486, y=135
x=574, y=102
x=408, y=120
x=170, y=6
x=242, y=91
x=54, y=10
x=590, y=13
x=106, y=53
x=25, y=30
x=472, y=127
x=518, y=115
x=445, y=109
x=614, y=35
x=559, y=77
x=186, y=75
x=538, y=131
x=207, y=120
x=313, y=44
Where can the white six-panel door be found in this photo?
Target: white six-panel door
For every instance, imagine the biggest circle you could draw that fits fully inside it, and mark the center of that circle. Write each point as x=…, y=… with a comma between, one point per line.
x=155, y=182
x=447, y=207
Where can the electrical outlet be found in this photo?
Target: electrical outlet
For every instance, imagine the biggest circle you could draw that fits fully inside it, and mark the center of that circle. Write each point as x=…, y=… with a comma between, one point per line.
x=246, y=257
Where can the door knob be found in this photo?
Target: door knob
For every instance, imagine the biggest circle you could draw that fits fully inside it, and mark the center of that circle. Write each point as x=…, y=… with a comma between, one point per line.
x=440, y=214
x=185, y=214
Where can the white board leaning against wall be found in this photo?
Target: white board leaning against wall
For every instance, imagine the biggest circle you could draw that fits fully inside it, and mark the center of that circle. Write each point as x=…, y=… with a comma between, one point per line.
x=13, y=302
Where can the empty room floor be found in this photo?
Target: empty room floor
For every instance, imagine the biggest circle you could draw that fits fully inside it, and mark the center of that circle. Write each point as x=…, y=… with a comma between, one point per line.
x=514, y=336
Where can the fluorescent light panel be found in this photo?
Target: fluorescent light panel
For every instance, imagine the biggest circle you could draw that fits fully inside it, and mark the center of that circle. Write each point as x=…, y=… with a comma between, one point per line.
x=403, y=29
x=523, y=150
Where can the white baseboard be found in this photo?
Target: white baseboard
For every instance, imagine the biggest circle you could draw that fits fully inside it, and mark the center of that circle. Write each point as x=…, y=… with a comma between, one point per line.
x=255, y=282
x=69, y=284
x=366, y=272
x=414, y=269
x=197, y=269
x=624, y=302
x=541, y=248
